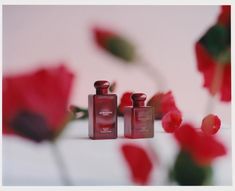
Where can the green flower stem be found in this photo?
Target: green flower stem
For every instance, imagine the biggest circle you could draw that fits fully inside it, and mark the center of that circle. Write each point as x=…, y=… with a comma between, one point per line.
x=215, y=87
x=210, y=104
x=153, y=72
x=62, y=169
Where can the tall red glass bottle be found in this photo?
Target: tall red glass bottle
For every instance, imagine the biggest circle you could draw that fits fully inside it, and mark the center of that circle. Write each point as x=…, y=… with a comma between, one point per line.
x=102, y=108
x=139, y=119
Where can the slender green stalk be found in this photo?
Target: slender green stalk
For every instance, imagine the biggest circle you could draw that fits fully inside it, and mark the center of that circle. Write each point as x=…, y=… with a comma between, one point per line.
x=153, y=73
x=63, y=171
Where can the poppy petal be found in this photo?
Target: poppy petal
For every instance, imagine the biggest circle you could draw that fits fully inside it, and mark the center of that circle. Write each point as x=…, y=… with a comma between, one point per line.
x=139, y=163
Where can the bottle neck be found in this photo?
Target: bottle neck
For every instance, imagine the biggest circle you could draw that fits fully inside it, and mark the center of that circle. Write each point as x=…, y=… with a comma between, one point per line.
x=101, y=91
x=138, y=104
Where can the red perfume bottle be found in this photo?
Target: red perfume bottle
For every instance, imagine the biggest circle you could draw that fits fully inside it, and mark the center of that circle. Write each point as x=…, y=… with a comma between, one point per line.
x=102, y=110
x=139, y=119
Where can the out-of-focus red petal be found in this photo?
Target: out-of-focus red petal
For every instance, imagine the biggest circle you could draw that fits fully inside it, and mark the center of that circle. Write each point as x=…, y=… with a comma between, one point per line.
x=171, y=121
x=225, y=15
x=162, y=103
x=45, y=92
x=206, y=149
x=226, y=84
x=210, y=124
x=139, y=163
x=186, y=135
x=125, y=101
x=207, y=66
x=101, y=36
x=203, y=148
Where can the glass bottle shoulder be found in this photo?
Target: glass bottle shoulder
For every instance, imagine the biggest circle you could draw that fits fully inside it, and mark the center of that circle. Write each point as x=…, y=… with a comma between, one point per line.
x=103, y=96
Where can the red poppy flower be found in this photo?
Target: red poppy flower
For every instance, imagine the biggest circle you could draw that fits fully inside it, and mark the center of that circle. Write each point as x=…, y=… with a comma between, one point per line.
x=210, y=124
x=162, y=103
x=203, y=148
x=171, y=121
x=125, y=101
x=34, y=104
x=114, y=44
x=139, y=163
x=213, y=54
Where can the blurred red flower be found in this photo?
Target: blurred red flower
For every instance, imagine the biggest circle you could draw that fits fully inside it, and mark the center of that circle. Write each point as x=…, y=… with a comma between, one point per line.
x=34, y=104
x=139, y=163
x=114, y=44
x=162, y=103
x=210, y=124
x=171, y=121
x=203, y=148
x=125, y=101
x=213, y=54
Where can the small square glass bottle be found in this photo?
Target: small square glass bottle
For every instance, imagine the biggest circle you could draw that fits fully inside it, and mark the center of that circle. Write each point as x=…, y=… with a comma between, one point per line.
x=102, y=110
x=139, y=119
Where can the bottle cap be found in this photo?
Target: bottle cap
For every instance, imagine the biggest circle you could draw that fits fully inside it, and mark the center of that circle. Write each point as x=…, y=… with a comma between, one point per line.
x=101, y=87
x=138, y=99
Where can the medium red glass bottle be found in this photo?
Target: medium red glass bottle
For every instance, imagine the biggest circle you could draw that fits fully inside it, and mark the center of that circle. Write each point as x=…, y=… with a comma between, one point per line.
x=139, y=119
x=102, y=108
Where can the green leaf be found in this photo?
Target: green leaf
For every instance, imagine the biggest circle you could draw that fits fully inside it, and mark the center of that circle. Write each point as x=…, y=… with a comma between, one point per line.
x=224, y=57
x=187, y=172
x=78, y=112
x=112, y=87
x=217, y=41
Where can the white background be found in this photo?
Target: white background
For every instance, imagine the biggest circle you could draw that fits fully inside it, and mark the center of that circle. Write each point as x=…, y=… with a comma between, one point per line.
x=36, y=36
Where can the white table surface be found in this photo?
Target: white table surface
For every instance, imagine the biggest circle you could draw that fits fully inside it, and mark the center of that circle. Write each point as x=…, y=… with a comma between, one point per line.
x=95, y=162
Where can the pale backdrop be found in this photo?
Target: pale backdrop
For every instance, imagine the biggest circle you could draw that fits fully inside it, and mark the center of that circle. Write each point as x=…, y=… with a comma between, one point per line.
x=164, y=35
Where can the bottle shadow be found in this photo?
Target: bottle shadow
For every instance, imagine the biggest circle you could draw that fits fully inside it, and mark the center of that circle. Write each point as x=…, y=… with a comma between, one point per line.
x=121, y=137
x=87, y=138
x=76, y=137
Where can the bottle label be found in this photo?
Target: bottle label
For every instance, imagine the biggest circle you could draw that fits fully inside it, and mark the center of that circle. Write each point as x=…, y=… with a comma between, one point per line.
x=105, y=114
x=144, y=116
x=143, y=121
